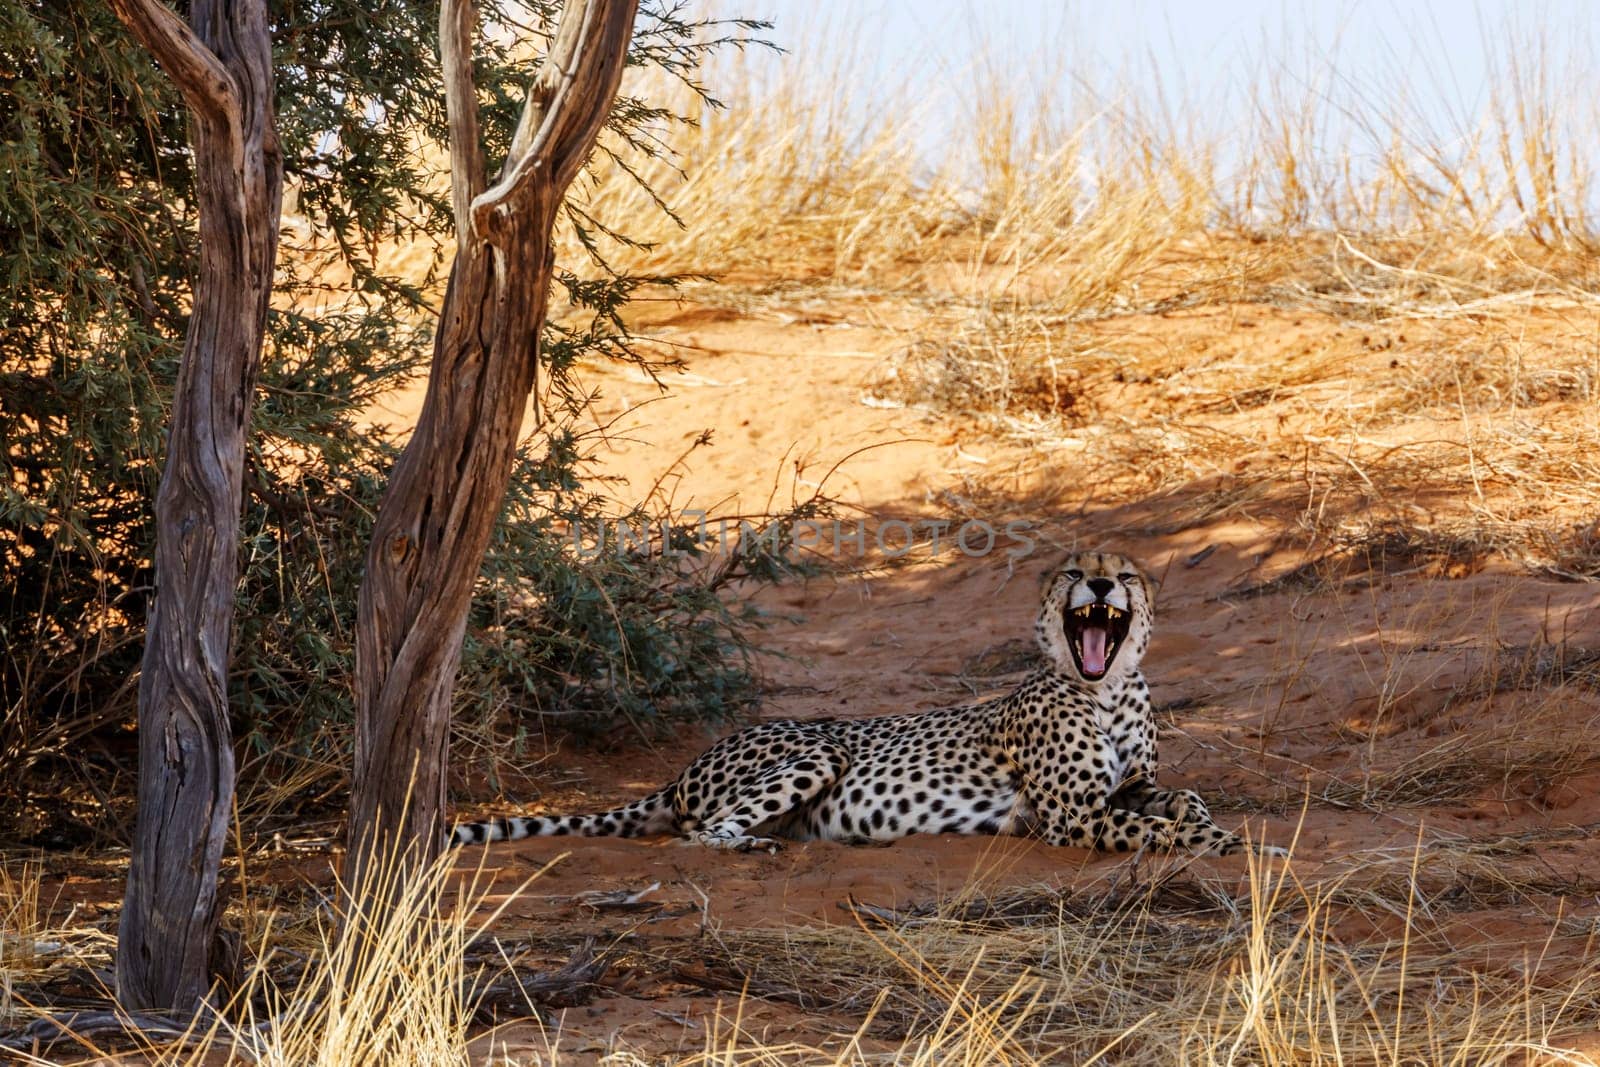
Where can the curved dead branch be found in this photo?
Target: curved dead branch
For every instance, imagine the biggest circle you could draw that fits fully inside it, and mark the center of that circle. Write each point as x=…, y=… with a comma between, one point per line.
x=208, y=87
x=560, y=122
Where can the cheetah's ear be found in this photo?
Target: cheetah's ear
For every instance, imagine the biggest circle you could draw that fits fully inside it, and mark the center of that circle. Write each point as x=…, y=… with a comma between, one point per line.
x=1152, y=583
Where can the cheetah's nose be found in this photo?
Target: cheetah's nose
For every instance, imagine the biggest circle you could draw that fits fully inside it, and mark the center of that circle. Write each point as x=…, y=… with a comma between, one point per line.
x=1100, y=586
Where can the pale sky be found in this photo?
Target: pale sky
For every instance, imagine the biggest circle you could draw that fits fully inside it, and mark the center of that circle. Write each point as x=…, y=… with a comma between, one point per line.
x=1201, y=57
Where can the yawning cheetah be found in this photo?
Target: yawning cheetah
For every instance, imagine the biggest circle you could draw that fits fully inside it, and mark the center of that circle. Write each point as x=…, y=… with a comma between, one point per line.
x=1069, y=754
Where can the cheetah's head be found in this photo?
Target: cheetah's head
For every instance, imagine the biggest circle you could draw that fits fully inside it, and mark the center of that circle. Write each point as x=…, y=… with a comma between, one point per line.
x=1096, y=617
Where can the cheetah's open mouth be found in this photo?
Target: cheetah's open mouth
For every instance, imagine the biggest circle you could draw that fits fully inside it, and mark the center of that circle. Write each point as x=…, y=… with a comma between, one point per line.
x=1095, y=632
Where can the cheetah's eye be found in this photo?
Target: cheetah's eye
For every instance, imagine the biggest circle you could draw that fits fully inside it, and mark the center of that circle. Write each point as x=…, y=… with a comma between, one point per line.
x=1074, y=575
x=1126, y=577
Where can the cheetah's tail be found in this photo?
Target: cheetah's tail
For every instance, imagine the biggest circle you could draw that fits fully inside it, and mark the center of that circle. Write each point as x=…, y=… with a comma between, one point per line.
x=652, y=814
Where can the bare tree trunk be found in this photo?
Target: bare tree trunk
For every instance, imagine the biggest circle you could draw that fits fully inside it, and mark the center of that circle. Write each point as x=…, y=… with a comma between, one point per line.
x=223, y=66
x=446, y=491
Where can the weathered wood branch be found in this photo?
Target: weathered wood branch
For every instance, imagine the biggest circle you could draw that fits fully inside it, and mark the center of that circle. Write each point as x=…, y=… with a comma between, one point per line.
x=556, y=131
x=207, y=85
x=457, y=21
x=81, y=1027
x=223, y=67
x=447, y=488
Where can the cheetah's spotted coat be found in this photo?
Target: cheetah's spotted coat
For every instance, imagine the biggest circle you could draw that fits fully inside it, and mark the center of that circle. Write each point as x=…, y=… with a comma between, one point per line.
x=1069, y=755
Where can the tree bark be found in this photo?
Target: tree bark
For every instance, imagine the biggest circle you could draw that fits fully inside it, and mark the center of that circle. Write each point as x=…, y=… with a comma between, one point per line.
x=446, y=490
x=223, y=67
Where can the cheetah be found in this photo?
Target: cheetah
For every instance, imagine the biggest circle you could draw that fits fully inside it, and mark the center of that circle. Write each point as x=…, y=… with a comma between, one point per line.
x=1068, y=755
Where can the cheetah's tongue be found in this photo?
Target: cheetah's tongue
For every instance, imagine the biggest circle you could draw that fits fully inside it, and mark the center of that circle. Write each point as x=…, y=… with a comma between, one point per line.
x=1094, y=650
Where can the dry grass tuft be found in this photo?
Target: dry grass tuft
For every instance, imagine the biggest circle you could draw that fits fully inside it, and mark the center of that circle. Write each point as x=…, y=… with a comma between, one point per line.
x=405, y=992
x=1179, y=969
x=23, y=939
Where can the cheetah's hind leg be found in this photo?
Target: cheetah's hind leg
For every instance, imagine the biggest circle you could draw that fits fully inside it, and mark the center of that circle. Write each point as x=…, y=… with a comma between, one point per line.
x=766, y=798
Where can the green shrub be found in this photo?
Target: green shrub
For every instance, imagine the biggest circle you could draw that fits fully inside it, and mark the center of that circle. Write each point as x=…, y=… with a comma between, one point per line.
x=97, y=245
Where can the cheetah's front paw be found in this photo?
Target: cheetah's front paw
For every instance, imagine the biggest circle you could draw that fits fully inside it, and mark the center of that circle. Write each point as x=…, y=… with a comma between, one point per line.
x=1233, y=845
x=737, y=842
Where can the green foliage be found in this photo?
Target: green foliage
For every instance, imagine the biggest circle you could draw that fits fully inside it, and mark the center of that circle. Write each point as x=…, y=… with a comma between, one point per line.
x=633, y=630
x=97, y=244
x=93, y=258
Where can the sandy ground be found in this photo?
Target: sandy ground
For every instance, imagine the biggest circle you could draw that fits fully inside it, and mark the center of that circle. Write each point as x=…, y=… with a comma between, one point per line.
x=1374, y=723
x=1419, y=719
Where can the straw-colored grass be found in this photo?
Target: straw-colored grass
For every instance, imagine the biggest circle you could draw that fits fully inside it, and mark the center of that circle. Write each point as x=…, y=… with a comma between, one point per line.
x=397, y=987
x=1172, y=966
x=1180, y=969
x=23, y=937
